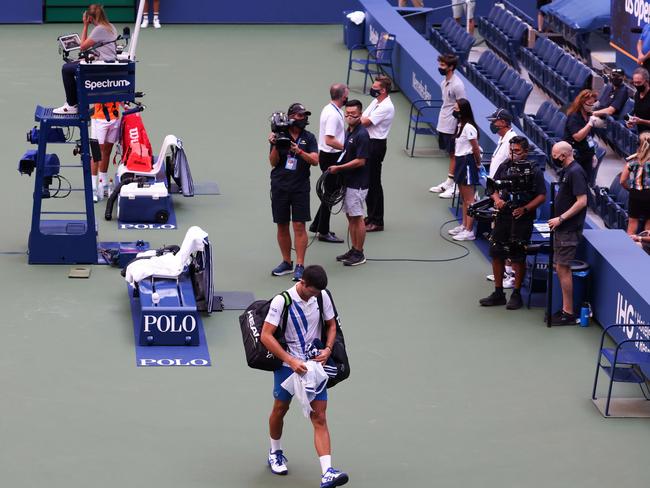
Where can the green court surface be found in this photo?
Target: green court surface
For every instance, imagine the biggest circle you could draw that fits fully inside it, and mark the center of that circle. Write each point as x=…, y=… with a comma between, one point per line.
x=442, y=393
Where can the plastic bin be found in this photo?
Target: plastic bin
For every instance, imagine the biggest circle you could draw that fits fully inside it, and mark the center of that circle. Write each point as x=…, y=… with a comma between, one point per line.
x=580, y=271
x=353, y=34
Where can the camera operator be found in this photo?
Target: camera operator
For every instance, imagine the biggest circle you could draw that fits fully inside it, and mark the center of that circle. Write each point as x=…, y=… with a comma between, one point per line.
x=290, y=187
x=102, y=32
x=518, y=190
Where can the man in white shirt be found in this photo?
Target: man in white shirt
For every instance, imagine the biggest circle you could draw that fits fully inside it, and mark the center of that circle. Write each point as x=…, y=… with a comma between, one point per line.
x=377, y=118
x=452, y=89
x=303, y=326
x=501, y=123
x=331, y=136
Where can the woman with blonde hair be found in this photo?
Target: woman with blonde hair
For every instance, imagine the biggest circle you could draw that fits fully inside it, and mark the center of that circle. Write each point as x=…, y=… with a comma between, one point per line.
x=103, y=35
x=636, y=179
x=578, y=130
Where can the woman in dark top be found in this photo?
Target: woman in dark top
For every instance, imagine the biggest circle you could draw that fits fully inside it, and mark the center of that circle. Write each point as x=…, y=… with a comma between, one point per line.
x=636, y=179
x=579, y=130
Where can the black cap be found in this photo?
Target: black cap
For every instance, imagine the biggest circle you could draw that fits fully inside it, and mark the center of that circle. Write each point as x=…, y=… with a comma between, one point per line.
x=297, y=108
x=501, y=114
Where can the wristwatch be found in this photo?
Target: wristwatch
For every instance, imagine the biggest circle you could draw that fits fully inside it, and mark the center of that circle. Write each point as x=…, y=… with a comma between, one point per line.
x=561, y=219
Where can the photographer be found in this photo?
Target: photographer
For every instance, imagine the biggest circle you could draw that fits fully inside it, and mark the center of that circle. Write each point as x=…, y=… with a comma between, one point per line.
x=518, y=190
x=292, y=153
x=103, y=31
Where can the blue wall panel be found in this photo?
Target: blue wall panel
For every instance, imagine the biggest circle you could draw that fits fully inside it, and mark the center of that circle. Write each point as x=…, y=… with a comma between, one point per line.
x=21, y=12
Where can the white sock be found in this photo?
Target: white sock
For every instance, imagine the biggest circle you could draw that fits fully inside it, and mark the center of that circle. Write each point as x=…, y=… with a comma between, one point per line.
x=104, y=178
x=325, y=463
x=155, y=15
x=509, y=269
x=276, y=445
x=94, y=180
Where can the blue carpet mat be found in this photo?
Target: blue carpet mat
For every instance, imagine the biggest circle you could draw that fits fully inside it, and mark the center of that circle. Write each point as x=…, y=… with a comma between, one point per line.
x=168, y=355
x=170, y=225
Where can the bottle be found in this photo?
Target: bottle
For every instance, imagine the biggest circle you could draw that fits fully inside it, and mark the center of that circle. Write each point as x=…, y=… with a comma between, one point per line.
x=111, y=187
x=585, y=313
x=155, y=298
x=100, y=189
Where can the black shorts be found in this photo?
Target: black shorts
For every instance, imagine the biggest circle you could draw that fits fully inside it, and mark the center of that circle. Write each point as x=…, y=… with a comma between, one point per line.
x=465, y=170
x=290, y=206
x=447, y=142
x=639, y=204
x=514, y=233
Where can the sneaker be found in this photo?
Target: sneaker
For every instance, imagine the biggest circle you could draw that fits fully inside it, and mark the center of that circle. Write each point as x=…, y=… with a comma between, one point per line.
x=355, y=259
x=345, y=256
x=297, y=273
x=490, y=277
x=450, y=192
x=464, y=235
x=278, y=463
x=448, y=183
x=66, y=109
x=515, y=301
x=508, y=281
x=145, y=22
x=156, y=23
x=95, y=197
x=456, y=230
x=282, y=269
x=496, y=298
x=333, y=477
x=563, y=318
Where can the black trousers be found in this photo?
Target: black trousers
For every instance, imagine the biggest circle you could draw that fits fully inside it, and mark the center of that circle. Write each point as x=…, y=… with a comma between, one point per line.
x=375, y=198
x=69, y=84
x=321, y=222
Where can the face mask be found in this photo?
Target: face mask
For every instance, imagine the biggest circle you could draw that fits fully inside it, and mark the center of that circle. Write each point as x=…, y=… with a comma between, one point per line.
x=442, y=71
x=345, y=100
x=456, y=114
x=374, y=93
x=301, y=124
x=558, y=161
x=617, y=81
x=588, y=108
x=493, y=128
x=640, y=88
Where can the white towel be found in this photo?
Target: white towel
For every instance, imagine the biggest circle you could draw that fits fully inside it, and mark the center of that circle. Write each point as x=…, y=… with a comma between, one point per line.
x=168, y=265
x=306, y=387
x=357, y=17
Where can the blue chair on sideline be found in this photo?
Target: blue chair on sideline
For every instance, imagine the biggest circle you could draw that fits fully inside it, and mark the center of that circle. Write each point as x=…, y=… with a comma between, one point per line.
x=379, y=59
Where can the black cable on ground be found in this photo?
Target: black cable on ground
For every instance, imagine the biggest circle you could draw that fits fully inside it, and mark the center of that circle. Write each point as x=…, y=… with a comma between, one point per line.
x=422, y=260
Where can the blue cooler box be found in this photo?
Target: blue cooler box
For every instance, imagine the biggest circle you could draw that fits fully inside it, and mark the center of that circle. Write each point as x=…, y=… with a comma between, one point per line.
x=147, y=204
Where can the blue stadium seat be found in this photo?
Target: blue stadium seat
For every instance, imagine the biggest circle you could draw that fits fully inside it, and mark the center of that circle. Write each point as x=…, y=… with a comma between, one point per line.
x=378, y=60
x=451, y=38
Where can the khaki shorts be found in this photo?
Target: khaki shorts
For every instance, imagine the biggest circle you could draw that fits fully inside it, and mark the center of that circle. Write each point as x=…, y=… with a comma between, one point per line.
x=565, y=244
x=353, y=202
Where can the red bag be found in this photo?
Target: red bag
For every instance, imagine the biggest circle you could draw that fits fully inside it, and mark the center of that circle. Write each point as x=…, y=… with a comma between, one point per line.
x=137, y=152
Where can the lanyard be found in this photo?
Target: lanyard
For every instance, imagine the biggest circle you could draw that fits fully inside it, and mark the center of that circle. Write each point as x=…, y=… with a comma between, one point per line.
x=338, y=111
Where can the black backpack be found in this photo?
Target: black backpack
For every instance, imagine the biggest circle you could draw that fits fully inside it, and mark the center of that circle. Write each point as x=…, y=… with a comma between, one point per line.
x=251, y=323
x=339, y=354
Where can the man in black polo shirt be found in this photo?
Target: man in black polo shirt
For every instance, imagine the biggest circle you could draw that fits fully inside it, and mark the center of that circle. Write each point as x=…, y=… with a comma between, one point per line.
x=641, y=112
x=570, y=213
x=513, y=224
x=290, y=189
x=616, y=98
x=356, y=176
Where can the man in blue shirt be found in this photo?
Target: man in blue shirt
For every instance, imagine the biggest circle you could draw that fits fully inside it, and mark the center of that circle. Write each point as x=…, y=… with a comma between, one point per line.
x=355, y=172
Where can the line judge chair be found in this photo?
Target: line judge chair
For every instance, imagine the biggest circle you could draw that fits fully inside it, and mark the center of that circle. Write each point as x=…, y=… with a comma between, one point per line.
x=379, y=59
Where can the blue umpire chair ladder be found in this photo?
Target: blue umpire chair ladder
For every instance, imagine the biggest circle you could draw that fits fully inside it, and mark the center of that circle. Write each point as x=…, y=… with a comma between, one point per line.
x=73, y=240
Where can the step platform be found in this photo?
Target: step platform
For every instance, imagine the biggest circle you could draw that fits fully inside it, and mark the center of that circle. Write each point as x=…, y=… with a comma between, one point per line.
x=167, y=313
